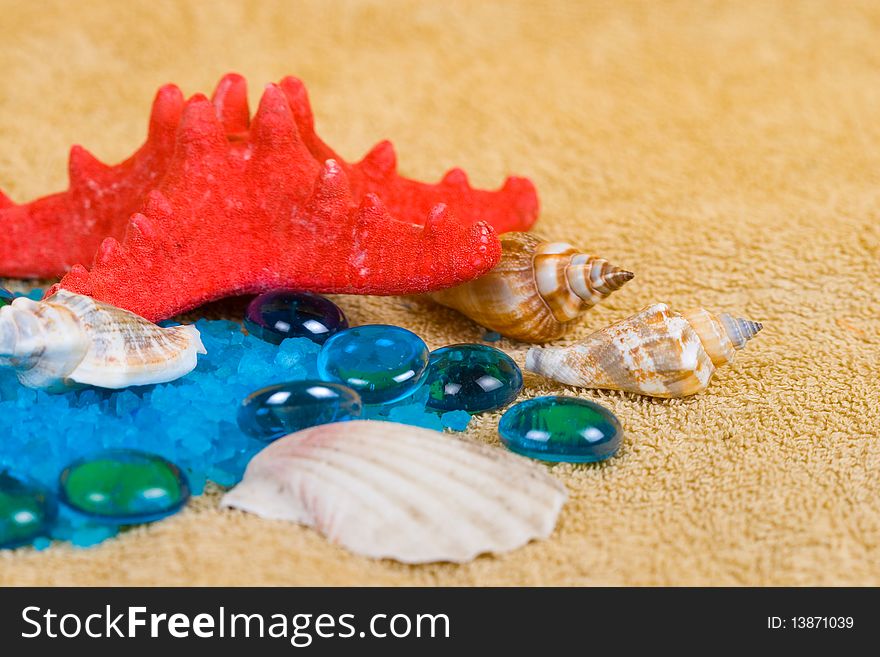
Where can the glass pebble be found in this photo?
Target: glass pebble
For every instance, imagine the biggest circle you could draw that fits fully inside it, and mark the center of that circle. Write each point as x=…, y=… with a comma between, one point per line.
x=124, y=486
x=382, y=363
x=561, y=429
x=279, y=314
x=473, y=378
x=27, y=510
x=6, y=297
x=281, y=409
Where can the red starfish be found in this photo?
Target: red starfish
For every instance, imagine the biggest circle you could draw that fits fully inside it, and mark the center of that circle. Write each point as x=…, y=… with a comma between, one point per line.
x=259, y=212
x=46, y=237
x=513, y=207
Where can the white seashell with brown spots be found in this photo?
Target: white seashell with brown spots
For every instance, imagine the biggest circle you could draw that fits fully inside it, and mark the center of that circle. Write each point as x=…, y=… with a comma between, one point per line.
x=538, y=290
x=70, y=340
x=657, y=352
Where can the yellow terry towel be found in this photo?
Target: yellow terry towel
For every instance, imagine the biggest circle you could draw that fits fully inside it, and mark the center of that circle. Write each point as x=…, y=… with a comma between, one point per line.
x=726, y=152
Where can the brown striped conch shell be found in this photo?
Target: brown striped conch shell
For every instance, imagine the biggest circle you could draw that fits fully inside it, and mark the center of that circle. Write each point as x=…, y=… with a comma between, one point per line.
x=537, y=291
x=656, y=352
x=69, y=340
x=393, y=491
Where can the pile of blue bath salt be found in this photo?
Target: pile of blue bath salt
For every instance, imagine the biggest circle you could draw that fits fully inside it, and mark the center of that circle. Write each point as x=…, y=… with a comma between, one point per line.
x=190, y=421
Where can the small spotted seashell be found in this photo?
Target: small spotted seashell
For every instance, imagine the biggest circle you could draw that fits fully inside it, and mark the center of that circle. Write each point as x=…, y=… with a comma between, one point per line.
x=537, y=291
x=656, y=352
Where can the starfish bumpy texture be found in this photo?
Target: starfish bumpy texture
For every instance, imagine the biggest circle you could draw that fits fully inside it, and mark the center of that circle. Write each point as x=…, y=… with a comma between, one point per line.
x=260, y=212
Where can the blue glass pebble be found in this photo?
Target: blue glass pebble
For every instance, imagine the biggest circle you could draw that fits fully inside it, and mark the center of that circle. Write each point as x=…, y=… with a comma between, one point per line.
x=561, y=429
x=124, y=486
x=6, y=297
x=473, y=378
x=279, y=314
x=27, y=510
x=278, y=410
x=382, y=363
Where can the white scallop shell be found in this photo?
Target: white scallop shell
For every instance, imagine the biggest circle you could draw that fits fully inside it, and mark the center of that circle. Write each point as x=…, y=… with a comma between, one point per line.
x=70, y=339
x=387, y=490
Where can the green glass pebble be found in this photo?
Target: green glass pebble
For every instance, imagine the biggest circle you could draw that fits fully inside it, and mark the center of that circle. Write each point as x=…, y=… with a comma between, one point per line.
x=561, y=429
x=124, y=487
x=27, y=510
x=472, y=377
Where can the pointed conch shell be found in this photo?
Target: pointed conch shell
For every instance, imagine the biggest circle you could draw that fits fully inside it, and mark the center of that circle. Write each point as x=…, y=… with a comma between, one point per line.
x=70, y=339
x=386, y=490
x=537, y=290
x=656, y=352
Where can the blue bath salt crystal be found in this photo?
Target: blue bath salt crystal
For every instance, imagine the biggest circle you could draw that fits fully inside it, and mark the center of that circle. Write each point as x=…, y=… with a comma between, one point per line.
x=89, y=535
x=27, y=510
x=456, y=420
x=382, y=363
x=491, y=336
x=124, y=486
x=561, y=428
x=413, y=415
x=275, y=411
x=473, y=378
x=192, y=421
x=411, y=410
x=279, y=314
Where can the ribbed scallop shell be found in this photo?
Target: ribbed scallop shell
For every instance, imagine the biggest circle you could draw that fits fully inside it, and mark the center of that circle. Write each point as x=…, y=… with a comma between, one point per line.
x=70, y=339
x=386, y=490
x=656, y=352
x=538, y=289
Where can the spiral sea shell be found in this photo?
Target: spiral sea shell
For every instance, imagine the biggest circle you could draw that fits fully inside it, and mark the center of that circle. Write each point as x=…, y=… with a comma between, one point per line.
x=656, y=352
x=387, y=490
x=538, y=289
x=70, y=339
